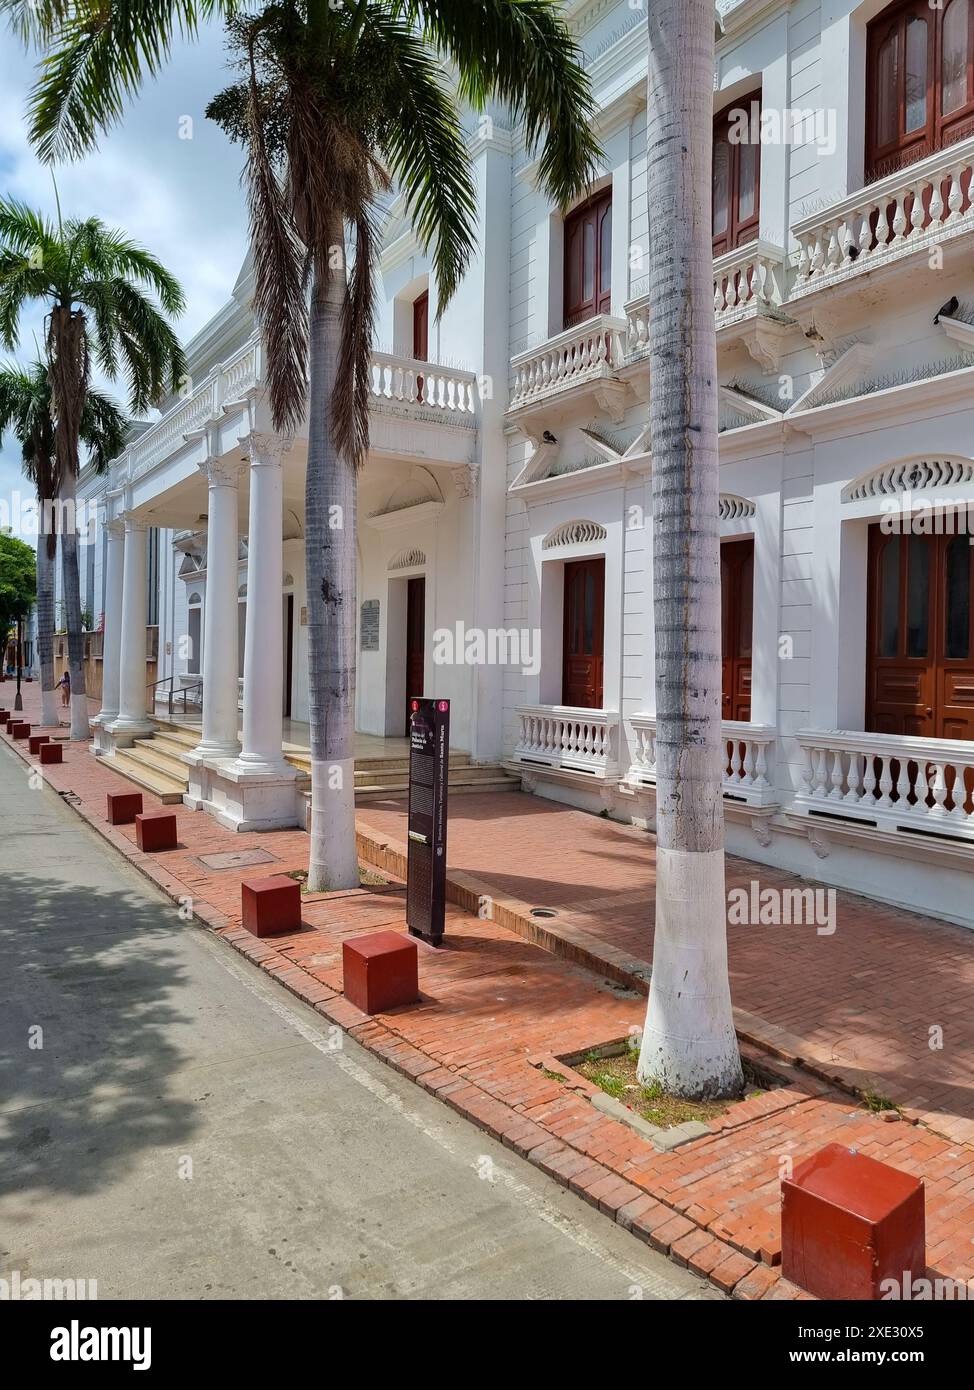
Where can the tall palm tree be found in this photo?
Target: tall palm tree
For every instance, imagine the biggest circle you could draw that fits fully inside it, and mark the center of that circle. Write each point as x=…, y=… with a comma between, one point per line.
x=93, y=282
x=689, y=1043
x=26, y=410
x=334, y=105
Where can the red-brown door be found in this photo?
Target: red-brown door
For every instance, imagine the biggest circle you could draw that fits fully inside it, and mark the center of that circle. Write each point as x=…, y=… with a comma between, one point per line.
x=588, y=260
x=415, y=639
x=421, y=335
x=582, y=660
x=920, y=635
x=736, y=621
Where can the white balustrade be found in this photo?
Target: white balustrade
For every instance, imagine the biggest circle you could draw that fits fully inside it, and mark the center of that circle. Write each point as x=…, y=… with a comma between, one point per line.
x=748, y=754
x=894, y=216
x=592, y=350
x=747, y=280
x=892, y=781
x=580, y=740
x=410, y=382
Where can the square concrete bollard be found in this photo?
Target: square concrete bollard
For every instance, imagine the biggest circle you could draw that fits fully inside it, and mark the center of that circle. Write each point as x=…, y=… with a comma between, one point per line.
x=849, y=1223
x=51, y=753
x=380, y=972
x=35, y=741
x=156, y=830
x=19, y=730
x=271, y=905
x=4, y=718
x=123, y=807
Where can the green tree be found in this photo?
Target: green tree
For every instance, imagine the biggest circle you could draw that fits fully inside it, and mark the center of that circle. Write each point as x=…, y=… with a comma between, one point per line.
x=26, y=410
x=17, y=586
x=335, y=104
x=96, y=285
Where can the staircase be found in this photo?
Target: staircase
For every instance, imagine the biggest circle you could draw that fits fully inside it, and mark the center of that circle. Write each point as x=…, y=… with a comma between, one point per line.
x=380, y=777
x=157, y=763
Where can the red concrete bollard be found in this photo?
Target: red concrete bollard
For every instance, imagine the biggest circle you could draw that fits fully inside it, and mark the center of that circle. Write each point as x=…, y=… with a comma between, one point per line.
x=123, y=807
x=271, y=905
x=51, y=753
x=19, y=730
x=156, y=830
x=4, y=718
x=849, y=1224
x=381, y=971
x=35, y=741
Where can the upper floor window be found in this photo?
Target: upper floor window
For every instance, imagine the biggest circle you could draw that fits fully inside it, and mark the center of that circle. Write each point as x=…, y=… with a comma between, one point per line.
x=737, y=173
x=919, y=82
x=588, y=259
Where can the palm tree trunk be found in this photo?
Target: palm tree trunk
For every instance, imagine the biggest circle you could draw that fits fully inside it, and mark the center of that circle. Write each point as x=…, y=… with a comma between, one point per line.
x=689, y=1043
x=45, y=623
x=330, y=568
x=71, y=582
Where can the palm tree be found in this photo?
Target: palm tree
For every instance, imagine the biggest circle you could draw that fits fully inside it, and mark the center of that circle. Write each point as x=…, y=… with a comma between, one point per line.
x=91, y=279
x=26, y=410
x=335, y=104
x=689, y=1043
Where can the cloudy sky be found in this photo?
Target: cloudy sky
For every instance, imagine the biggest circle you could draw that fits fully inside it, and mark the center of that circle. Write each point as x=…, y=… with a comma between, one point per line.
x=180, y=197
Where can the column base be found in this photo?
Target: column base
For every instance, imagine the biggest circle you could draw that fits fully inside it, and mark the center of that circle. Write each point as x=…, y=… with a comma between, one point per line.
x=126, y=731
x=103, y=741
x=242, y=797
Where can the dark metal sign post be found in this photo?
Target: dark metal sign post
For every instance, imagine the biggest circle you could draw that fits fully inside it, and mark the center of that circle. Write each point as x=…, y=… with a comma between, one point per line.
x=429, y=760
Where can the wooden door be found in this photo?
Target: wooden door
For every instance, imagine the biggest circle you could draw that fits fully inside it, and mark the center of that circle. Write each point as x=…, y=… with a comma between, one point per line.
x=582, y=651
x=920, y=652
x=421, y=335
x=288, y=652
x=415, y=640
x=588, y=260
x=736, y=623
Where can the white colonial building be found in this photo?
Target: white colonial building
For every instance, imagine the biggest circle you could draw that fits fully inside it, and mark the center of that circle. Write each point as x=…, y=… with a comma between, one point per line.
x=508, y=489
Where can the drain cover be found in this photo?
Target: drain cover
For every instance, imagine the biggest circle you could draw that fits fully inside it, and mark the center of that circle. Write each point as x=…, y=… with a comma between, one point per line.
x=543, y=912
x=238, y=859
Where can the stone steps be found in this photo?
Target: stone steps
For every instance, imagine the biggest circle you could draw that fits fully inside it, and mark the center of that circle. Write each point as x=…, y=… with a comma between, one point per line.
x=133, y=765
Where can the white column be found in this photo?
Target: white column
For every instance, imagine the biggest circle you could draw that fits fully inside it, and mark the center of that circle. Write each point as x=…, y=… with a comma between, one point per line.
x=263, y=694
x=220, y=623
x=132, y=721
x=112, y=633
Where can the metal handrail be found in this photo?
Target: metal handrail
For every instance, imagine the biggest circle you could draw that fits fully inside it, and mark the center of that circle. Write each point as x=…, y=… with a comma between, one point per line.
x=184, y=691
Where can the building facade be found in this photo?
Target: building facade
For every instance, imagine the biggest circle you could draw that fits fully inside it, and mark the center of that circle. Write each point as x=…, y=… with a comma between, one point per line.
x=505, y=516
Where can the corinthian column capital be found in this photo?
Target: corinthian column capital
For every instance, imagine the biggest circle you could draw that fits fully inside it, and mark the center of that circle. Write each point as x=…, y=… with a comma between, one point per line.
x=268, y=448
x=220, y=472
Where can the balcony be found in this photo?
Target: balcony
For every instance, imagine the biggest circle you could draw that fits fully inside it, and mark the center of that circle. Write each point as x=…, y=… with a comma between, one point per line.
x=891, y=783
x=747, y=748
x=888, y=221
x=748, y=280
x=588, y=354
x=569, y=740
x=423, y=386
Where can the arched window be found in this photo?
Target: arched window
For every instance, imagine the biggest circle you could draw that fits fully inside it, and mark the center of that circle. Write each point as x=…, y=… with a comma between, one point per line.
x=919, y=82
x=737, y=173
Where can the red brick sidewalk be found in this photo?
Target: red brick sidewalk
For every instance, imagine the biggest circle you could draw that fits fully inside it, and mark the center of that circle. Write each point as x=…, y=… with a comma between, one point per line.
x=859, y=1004
x=494, y=1005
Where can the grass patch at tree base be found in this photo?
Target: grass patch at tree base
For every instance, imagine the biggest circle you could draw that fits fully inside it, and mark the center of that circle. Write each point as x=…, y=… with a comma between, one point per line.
x=617, y=1077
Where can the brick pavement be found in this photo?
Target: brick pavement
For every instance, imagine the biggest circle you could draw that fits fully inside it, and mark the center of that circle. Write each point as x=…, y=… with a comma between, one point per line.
x=495, y=1006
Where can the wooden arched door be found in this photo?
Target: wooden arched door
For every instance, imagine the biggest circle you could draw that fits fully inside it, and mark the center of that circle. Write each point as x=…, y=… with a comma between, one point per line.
x=736, y=622
x=920, y=636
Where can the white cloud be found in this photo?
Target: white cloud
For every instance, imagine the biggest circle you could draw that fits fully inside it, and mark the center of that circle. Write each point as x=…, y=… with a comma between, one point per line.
x=180, y=197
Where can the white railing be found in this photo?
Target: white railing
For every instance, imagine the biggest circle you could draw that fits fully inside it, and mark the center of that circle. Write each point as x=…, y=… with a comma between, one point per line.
x=592, y=350
x=578, y=740
x=409, y=382
x=748, y=750
x=896, y=216
x=637, y=330
x=894, y=782
x=748, y=279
